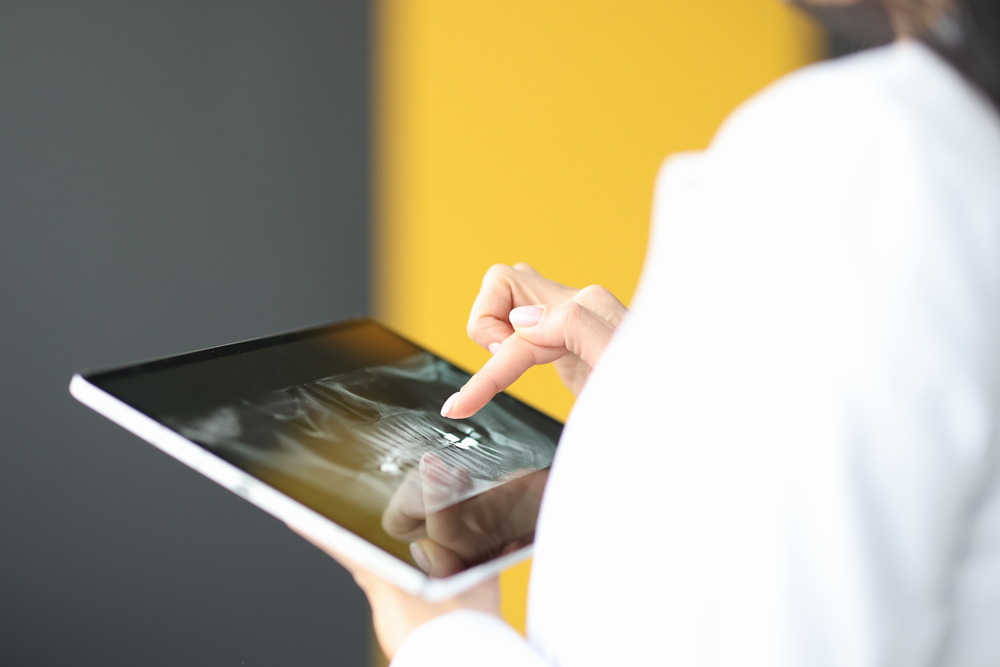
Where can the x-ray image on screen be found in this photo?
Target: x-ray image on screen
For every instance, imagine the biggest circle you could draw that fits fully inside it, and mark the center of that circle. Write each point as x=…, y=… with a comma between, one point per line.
x=359, y=434
x=345, y=420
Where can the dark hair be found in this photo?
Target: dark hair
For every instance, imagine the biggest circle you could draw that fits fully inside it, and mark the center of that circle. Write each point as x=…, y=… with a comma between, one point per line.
x=852, y=27
x=969, y=38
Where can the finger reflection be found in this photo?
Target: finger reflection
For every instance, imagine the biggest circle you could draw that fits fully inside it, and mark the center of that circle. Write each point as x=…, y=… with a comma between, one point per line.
x=373, y=441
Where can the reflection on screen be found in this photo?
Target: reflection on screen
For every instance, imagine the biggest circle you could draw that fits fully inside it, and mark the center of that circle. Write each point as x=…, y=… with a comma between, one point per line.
x=358, y=434
x=346, y=420
x=369, y=449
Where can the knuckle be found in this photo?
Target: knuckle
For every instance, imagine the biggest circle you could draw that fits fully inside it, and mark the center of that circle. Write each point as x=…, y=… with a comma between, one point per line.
x=601, y=301
x=496, y=272
x=472, y=328
x=483, y=331
x=595, y=293
x=494, y=384
x=486, y=381
x=599, y=290
x=573, y=315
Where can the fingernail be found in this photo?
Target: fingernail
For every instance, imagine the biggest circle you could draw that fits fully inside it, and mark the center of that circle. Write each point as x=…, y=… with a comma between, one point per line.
x=420, y=557
x=526, y=316
x=446, y=408
x=493, y=347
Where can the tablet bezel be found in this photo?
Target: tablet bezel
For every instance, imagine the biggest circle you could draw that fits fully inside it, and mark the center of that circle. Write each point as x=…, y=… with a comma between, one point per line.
x=269, y=499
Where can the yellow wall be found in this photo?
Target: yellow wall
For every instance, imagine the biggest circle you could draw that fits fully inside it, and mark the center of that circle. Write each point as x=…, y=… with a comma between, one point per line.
x=531, y=131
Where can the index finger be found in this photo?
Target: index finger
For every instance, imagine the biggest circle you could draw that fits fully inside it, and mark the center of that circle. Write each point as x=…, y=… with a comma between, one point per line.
x=509, y=362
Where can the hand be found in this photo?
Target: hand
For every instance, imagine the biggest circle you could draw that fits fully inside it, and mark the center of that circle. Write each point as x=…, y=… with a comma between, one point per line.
x=447, y=540
x=396, y=613
x=524, y=319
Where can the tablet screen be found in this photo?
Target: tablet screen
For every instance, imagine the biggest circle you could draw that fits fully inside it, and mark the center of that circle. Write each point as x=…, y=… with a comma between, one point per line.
x=346, y=420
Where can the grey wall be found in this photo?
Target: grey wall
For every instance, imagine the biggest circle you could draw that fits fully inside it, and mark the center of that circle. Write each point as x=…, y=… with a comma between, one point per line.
x=173, y=175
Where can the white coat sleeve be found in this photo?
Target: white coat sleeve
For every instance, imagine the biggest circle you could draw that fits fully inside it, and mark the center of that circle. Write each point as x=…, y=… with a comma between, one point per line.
x=466, y=638
x=876, y=219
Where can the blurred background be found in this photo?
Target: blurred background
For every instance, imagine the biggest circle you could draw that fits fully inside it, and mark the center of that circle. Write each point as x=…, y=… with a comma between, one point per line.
x=176, y=175
x=173, y=175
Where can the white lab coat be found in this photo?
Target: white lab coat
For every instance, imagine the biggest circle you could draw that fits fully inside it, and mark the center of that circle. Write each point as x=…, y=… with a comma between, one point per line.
x=789, y=453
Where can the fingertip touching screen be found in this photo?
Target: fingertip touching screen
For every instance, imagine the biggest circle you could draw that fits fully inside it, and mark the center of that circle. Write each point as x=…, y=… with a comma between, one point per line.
x=346, y=420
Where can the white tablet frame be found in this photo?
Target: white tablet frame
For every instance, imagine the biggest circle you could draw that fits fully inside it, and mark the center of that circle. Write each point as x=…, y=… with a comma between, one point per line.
x=286, y=509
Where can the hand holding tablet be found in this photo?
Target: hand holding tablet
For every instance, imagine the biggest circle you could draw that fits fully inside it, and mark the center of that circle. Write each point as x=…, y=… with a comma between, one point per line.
x=448, y=540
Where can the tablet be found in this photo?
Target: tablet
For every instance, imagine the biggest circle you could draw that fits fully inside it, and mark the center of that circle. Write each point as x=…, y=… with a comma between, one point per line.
x=337, y=430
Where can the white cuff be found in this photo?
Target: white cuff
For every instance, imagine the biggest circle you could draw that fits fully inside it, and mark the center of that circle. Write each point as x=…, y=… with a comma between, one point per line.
x=466, y=638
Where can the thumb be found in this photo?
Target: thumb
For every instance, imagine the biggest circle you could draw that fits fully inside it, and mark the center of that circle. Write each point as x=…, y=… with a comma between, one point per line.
x=568, y=326
x=435, y=559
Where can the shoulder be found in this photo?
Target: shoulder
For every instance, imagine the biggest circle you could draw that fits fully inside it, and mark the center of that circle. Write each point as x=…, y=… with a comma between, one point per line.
x=902, y=100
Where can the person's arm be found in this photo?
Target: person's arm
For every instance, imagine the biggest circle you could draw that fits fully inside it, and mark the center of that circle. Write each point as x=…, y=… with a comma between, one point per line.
x=524, y=319
x=467, y=629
